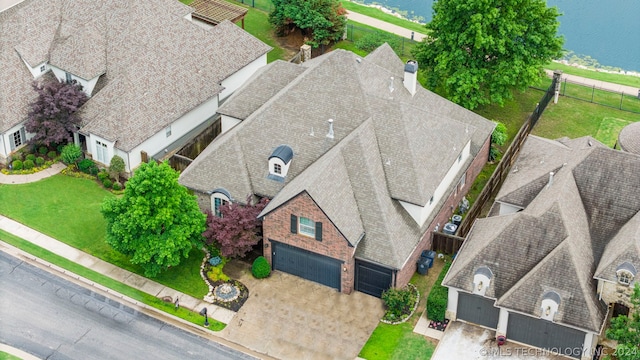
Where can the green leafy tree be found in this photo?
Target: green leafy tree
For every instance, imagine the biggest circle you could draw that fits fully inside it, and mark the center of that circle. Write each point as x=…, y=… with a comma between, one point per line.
x=479, y=50
x=321, y=21
x=626, y=330
x=156, y=222
x=499, y=137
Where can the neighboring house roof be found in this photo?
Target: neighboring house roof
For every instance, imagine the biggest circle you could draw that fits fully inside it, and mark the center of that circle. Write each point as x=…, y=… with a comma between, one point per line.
x=570, y=225
x=386, y=145
x=629, y=138
x=156, y=64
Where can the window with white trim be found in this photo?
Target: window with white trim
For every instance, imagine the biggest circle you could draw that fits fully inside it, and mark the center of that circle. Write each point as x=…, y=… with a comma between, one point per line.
x=277, y=169
x=463, y=180
x=101, y=152
x=168, y=131
x=307, y=227
x=68, y=77
x=217, y=204
x=43, y=68
x=624, y=277
x=17, y=138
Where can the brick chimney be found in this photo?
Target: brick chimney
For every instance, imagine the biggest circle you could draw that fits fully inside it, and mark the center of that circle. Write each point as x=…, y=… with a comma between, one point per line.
x=411, y=76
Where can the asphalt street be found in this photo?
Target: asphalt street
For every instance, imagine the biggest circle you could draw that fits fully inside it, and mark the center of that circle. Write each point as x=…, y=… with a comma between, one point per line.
x=52, y=318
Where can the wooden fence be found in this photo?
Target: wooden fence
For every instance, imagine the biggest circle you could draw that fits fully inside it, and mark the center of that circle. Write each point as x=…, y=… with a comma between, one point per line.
x=502, y=170
x=445, y=243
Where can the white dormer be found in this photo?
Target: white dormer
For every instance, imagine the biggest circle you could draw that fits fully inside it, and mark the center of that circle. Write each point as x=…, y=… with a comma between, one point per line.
x=481, y=280
x=550, y=305
x=625, y=273
x=279, y=162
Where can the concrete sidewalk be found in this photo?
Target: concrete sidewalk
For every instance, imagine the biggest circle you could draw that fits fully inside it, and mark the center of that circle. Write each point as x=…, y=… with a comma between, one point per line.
x=628, y=90
x=126, y=277
x=23, y=179
x=383, y=25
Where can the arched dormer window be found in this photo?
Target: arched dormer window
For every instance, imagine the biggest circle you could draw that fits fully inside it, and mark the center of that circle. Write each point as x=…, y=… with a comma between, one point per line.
x=481, y=280
x=550, y=305
x=279, y=162
x=625, y=273
x=219, y=197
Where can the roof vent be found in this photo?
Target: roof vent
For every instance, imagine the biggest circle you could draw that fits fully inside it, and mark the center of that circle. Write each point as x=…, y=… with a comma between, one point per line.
x=550, y=179
x=330, y=133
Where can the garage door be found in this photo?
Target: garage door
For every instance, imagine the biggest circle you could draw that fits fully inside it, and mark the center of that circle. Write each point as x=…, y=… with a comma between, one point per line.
x=478, y=310
x=545, y=334
x=372, y=279
x=307, y=265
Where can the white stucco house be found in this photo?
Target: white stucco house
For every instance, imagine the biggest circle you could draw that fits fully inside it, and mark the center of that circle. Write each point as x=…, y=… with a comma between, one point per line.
x=152, y=75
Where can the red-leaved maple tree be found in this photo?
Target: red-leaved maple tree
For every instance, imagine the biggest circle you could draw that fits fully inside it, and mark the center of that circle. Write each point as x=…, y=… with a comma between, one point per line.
x=236, y=231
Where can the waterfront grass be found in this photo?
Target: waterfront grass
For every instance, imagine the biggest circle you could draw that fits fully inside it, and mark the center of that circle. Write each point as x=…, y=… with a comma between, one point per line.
x=381, y=15
x=68, y=209
x=106, y=281
x=627, y=80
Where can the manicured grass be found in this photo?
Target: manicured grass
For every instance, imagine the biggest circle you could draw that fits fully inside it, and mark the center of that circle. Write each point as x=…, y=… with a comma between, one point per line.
x=6, y=356
x=108, y=282
x=397, y=342
x=596, y=75
x=381, y=15
x=607, y=98
x=68, y=209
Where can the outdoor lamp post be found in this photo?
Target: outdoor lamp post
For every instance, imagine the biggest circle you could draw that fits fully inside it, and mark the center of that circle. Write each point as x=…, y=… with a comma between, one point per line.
x=203, y=312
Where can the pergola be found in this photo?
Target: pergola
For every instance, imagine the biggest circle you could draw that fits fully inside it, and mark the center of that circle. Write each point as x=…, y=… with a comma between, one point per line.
x=215, y=11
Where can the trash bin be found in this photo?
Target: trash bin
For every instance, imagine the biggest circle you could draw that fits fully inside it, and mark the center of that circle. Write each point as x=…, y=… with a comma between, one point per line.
x=423, y=266
x=428, y=254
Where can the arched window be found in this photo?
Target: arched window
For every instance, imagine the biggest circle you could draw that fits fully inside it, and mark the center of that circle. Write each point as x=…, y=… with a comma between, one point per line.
x=625, y=273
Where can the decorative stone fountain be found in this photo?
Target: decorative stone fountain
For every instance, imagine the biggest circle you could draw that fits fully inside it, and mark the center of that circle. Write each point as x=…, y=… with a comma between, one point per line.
x=226, y=292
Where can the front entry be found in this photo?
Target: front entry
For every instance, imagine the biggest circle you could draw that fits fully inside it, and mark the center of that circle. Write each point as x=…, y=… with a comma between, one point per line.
x=306, y=264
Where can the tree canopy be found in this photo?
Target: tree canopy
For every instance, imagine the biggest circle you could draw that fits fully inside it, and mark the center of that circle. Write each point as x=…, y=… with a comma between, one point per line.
x=478, y=51
x=321, y=21
x=626, y=330
x=156, y=222
x=53, y=117
x=235, y=232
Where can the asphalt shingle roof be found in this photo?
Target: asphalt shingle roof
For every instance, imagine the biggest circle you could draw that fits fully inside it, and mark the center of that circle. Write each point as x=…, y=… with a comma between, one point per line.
x=387, y=145
x=157, y=65
x=585, y=218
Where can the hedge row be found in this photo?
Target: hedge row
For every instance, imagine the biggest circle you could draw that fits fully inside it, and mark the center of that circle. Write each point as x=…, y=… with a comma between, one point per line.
x=438, y=297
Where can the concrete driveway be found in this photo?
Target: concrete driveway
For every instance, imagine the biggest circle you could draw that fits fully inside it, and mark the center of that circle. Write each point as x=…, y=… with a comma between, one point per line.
x=287, y=317
x=469, y=342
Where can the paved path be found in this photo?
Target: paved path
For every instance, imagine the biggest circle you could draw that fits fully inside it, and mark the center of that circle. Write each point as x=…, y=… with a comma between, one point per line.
x=629, y=90
x=383, y=25
x=126, y=277
x=23, y=179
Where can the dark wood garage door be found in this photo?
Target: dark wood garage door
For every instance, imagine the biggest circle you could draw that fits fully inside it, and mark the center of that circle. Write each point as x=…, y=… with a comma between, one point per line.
x=545, y=334
x=372, y=279
x=478, y=310
x=306, y=264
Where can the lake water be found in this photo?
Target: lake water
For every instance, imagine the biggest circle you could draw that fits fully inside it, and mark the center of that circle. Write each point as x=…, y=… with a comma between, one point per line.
x=606, y=30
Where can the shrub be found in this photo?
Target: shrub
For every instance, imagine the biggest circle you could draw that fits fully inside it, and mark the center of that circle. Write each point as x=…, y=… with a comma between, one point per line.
x=260, y=268
x=103, y=175
x=52, y=154
x=18, y=156
x=16, y=164
x=116, y=166
x=28, y=164
x=39, y=161
x=87, y=166
x=42, y=150
x=438, y=297
x=216, y=274
x=373, y=40
x=117, y=186
x=398, y=302
x=30, y=157
x=70, y=153
x=107, y=183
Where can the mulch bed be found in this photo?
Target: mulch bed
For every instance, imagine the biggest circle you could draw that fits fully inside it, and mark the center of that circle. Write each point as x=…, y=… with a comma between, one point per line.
x=233, y=305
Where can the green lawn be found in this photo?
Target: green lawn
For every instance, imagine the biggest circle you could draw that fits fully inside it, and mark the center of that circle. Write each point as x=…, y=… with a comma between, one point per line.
x=7, y=356
x=607, y=98
x=596, y=75
x=68, y=209
x=381, y=15
x=106, y=281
